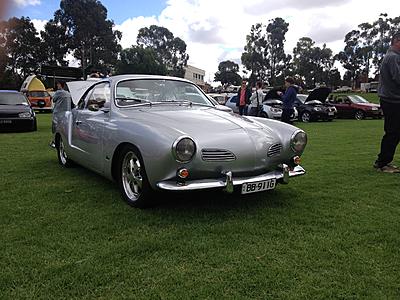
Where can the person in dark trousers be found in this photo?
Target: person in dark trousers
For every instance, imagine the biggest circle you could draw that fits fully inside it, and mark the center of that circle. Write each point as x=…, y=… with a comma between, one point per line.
x=288, y=100
x=243, y=98
x=389, y=94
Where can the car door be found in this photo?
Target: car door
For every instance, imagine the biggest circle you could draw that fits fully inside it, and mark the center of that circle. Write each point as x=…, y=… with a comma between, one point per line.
x=89, y=121
x=340, y=106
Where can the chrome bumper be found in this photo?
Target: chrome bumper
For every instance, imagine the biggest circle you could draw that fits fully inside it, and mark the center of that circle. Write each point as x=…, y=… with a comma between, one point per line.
x=227, y=183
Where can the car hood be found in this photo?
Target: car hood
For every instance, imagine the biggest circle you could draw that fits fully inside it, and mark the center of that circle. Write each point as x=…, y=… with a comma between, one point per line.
x=12, y=109
x=320, y=94
x=197, y=122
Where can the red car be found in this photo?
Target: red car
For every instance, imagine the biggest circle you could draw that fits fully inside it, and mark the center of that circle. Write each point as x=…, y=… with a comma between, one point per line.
x=355, y=107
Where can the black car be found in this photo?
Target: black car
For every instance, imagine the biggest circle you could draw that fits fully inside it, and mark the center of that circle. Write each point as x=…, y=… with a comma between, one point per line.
x=313, y=107
x=16, y=113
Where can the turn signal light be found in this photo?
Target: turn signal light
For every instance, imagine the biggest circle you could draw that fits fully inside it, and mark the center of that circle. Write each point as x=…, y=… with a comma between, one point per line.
x=297, y=160
x=183, y=173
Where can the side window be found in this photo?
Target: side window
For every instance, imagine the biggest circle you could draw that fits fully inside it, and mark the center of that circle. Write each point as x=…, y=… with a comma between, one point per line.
x=99, y=95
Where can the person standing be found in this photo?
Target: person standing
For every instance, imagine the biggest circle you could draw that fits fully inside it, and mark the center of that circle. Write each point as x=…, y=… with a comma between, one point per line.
x=62, y=102
x=243, y=98
x=288, y=100
x=389, y=94
x=256, y=100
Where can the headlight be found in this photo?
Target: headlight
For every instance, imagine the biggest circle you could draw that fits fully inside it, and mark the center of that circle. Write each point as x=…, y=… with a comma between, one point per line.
x=183, y=149
x=25, y=115
x=317, y=108
x=374, y=108
x=276, y=110
x=298, y=141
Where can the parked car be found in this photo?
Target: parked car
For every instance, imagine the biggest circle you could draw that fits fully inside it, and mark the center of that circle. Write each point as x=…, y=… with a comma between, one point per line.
x=271, y=106
x=15, y=112
x=355, y=107
x=38, y=96
x=343, y=89
x=162, y=137
x=220, y=98
x=313, y=107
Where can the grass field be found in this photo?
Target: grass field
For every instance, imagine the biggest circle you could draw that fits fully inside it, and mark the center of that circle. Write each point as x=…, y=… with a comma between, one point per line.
x=333, y=233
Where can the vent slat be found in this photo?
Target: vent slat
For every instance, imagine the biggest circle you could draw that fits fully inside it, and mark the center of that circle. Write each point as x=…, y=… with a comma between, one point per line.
x=274, y=150
x=217, y=155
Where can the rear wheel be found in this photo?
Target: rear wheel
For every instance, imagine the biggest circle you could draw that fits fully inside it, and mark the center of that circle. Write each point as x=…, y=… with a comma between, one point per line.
x=132, y=178
x=305, y=117
x=359, y=115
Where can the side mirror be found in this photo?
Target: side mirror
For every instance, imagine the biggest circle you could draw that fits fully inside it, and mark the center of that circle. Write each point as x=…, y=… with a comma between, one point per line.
x=106, y=108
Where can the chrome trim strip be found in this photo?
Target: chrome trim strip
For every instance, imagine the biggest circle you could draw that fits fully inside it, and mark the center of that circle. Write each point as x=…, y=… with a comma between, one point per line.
x=228, y=180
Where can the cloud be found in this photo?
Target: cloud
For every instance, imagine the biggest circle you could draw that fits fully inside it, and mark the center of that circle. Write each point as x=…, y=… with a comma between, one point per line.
x=39, y=24
x=257, y=7
x=23, y=3
x=322, y=34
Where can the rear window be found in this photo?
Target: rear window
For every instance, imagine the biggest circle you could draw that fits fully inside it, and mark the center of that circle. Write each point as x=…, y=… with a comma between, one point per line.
x=38, y=94
x=12, y=99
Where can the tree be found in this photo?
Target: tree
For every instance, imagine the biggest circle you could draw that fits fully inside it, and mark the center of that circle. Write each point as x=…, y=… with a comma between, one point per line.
x=139, y=60
x=54, y=46
x=352, y=56
x=90, y=36
x=171, y=51
x=275, y=56
x=21, y=47
x=228, y=73
x=253, y=57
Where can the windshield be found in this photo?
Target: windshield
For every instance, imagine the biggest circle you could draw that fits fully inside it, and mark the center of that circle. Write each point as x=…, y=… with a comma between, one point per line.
x=39, y=94
x=357, y=99
x=138, y=91
x=12, y=99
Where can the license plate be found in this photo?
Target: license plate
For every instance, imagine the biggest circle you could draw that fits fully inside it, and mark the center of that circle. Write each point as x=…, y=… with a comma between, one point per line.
x=330, y=113
x=258, y=186
x=5, y=121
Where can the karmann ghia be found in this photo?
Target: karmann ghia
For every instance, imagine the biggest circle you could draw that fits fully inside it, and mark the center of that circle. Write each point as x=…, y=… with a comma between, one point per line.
x=151, y=133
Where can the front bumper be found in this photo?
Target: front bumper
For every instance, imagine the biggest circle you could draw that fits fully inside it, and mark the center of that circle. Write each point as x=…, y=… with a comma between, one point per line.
x=16, y=124
x=228, y=181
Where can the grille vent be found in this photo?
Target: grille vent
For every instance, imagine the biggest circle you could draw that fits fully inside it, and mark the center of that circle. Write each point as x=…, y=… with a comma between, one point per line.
x=275, y=149
x=217, y=155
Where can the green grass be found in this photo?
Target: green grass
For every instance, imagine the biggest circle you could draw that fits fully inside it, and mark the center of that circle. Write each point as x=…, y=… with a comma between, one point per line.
x=333, y=233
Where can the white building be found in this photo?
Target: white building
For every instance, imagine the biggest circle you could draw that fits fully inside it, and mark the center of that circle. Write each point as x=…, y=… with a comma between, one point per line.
x=195, y=75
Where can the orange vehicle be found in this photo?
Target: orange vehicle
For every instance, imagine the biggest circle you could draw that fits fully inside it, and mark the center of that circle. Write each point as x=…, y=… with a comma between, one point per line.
x=35, y=90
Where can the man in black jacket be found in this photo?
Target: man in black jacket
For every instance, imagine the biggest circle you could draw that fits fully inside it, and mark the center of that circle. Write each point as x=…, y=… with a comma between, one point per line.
x=389, y=94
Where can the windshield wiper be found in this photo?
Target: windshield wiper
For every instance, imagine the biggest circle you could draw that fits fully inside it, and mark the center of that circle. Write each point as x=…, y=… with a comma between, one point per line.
x=128, y=99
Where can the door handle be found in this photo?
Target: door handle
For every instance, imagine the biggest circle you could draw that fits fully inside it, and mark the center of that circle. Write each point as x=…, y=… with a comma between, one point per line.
x=78, y=122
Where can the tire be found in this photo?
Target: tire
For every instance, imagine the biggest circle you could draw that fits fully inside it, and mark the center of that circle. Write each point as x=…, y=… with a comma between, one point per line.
x=359, y=115
x=305, y=117
x=132, y=179
x=34, y=126
x=62, y=156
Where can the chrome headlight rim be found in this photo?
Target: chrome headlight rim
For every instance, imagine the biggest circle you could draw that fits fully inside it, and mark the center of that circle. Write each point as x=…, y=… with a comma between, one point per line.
x=175, y=145
x=292, y=139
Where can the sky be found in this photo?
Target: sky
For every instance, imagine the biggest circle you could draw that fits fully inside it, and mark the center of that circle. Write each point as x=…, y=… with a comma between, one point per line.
x=215, y=30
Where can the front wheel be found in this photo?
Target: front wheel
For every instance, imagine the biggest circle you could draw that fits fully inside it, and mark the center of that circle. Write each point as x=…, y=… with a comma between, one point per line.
x=62, y=155
x=359, y=115
x=305, y=117
x=132, y=178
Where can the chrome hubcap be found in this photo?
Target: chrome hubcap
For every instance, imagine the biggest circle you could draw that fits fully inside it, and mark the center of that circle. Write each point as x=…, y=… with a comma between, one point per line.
x=63, y=155
x=306, y=117
x=359, y=115
x=131, y=176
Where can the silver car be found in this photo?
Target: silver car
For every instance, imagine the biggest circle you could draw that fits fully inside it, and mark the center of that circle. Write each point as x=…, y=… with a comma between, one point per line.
x=270, y=108
x=151, y=133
